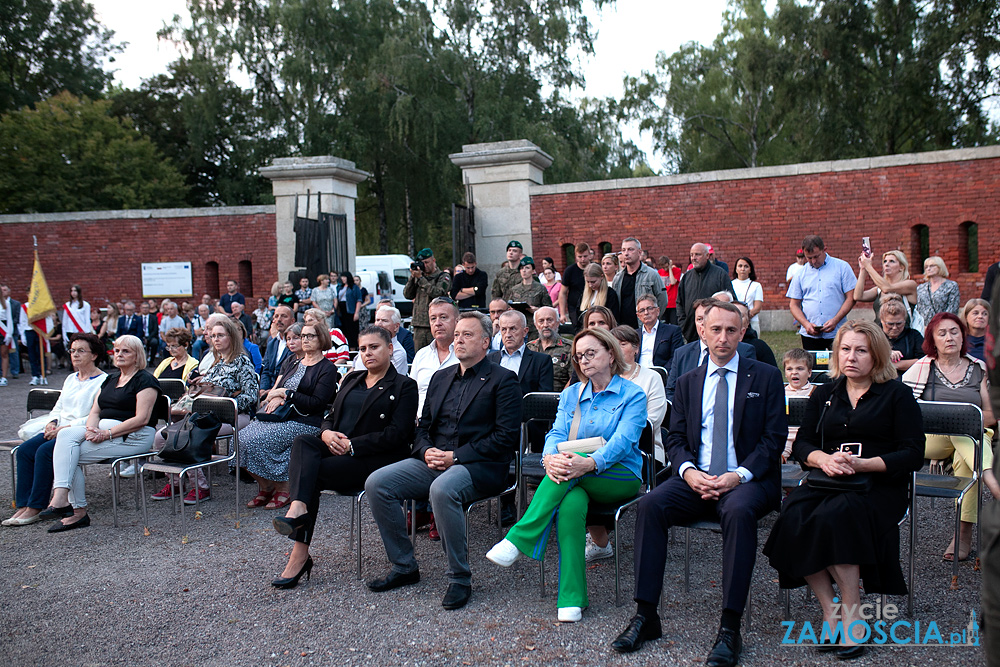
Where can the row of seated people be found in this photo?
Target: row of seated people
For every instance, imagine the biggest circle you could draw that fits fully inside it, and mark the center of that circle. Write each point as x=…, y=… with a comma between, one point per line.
x=725, y=442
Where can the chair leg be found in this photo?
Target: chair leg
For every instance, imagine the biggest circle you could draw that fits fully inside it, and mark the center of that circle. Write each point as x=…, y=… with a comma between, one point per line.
x=114, y=493
x=618, y=597
x=142, y=495
x=958, y=533
x=786, y=599
x=357, y=503
x=13, y=478
x=541, y=578
x=687, y=560
x=913, y=553
x=748, y=614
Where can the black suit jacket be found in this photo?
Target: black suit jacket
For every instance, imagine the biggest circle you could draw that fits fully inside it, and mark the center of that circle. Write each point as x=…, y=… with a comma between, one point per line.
x=668, y=340
x=385, y=424
x=759, y=425
x=489, y=423
x=134, y=330
x=686, y=360
x=315, y=392
x=535, y=373
x=151, y=325
x=271, y=364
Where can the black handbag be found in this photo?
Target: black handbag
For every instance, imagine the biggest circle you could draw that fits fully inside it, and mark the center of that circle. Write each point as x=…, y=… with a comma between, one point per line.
x=192, y=439
x=860, y=482
x=283, y=413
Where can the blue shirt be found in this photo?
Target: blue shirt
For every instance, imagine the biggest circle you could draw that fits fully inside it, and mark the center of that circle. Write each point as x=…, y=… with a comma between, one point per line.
x=512, y=362
x=618, y=414
x=254, y=353
x=822, y=291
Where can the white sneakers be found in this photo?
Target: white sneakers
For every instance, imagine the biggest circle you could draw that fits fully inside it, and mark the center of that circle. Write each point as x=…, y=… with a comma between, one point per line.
x=3, y=382
x=126, y=472
x=503, y=553
x=595, y=552
x=569, y=614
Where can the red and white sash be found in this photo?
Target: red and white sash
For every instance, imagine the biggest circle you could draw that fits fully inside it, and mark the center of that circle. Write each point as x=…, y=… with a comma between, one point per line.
x=69, y=312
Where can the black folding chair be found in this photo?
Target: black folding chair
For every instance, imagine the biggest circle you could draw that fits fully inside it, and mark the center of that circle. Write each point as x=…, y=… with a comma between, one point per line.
x=161, y=415
x=173, y=387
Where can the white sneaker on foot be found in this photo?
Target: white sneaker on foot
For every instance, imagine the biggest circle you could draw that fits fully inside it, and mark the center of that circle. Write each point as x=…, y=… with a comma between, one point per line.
x=594, y=552
x=34, y=381
x=503, y=553
x=126, y=472
x=43, y=381
x=569, y=614
x=3, y=382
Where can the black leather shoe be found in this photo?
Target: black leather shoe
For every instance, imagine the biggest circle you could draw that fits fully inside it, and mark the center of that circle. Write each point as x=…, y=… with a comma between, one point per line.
x=508, y=516
x=393, y=580
x=59, y=526
x=640, y=629
x=851, y=652
x=51, y=512
x=726, y=652
x=292, y=582
x=457, y=596
x=293, y=529
x=826, y=646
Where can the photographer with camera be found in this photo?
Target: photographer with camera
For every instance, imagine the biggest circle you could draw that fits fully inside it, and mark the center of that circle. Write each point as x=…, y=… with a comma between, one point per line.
x=426, y=283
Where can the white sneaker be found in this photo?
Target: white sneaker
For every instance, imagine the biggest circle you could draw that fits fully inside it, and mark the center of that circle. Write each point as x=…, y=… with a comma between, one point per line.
x=3, y=382
x=503, y=553
x=127, y=472
x=595, y=552
x=43, y=381
x=569, y=614
x=34, y=381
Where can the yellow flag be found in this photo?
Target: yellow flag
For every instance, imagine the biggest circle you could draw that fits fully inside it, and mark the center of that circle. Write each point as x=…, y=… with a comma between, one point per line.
x=40, y=302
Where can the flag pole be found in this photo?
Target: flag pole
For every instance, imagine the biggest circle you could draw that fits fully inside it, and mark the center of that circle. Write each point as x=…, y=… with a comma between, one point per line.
x=41, y=342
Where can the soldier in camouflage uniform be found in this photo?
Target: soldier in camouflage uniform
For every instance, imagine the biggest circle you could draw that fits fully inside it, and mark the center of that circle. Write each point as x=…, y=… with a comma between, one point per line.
x=423, y=287
x=529, y=291
x=509, y=273
x=551, y=343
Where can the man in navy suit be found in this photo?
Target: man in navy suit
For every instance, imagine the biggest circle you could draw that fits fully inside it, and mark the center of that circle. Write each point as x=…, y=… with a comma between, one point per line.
x=727, y=431
x=128, y=324
x=464, y=442
x=658, y=340
x=534, y=369
x=695, y=354
x=276, y=351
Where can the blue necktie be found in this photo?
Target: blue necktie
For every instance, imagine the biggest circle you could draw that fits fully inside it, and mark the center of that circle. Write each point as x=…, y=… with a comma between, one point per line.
x=720, y=428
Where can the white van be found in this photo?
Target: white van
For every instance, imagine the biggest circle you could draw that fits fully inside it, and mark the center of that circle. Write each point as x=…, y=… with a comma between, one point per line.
x=378, y=284
x=397, y=269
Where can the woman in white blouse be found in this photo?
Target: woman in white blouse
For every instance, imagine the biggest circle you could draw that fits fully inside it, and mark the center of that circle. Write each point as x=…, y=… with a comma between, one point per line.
x=75, y=315
x=748, y=291
x=34, y=455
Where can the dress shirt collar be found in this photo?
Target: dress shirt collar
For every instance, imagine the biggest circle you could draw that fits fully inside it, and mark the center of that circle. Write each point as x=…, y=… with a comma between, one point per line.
x=472, y=371
x=615, y=387
x=519, y=352
x=652, y=332
x=733, y=365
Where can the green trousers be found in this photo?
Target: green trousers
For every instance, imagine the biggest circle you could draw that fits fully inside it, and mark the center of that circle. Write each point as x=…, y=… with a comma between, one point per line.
x=565, y=506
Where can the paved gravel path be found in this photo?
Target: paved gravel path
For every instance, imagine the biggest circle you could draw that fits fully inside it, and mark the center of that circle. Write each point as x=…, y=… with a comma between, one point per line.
x=114, y=596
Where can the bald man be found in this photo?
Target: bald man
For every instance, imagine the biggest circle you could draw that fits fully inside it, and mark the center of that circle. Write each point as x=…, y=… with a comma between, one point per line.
x=702, y=281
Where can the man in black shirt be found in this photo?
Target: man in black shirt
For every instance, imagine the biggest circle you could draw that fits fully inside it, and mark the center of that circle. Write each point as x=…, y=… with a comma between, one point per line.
x=573, y=284
x=702, y=281
x=468, y=288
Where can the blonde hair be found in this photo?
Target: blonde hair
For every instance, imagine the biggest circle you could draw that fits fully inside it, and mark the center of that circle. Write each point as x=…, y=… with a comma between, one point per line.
x=276, y=288
x=903, y=262
x=134, y=344
x=878, y=347
x=609, y=342
x=602, y=291
x=940, y=264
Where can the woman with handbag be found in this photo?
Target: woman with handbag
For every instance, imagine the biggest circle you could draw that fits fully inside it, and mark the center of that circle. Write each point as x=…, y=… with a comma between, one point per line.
x=294, y=407
x=842, y=526
x=34, y=455
x=120, y=423
x=948, y=373
x=591, y=453
x=371, y=425
x=231, y=374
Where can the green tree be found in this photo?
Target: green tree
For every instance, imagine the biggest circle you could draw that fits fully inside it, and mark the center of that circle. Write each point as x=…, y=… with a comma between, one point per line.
x=70, y=154
x=47, y=47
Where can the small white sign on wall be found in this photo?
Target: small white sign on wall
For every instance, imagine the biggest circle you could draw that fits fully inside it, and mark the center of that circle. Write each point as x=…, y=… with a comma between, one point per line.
x=163, y=279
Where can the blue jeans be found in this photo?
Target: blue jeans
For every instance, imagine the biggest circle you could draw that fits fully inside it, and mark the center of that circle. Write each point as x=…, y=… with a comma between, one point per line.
x=33, y=354
x=34, y=472
x=198, y=349
x=15, y=358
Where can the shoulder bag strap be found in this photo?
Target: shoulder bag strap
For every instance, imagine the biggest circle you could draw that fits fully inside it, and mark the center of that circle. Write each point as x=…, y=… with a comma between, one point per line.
x=576, y=414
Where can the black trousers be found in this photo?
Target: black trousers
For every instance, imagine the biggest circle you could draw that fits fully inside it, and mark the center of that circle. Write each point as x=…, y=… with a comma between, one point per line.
x=313, y=468
x=674, y=503
x=814, y=344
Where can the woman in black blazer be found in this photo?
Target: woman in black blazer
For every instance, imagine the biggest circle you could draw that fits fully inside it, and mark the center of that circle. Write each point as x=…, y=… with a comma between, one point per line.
x=371, y=425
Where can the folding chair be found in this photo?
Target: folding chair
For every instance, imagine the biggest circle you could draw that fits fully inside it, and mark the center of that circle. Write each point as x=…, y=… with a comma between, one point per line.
x=38, y=399
x=161, y=413
x=662, y=372
x=223, y=408
x=173, y=388
x=537, y=407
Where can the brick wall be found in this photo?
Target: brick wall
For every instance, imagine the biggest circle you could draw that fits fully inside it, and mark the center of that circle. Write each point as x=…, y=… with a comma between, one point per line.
x=103, y=251
x=765, y=213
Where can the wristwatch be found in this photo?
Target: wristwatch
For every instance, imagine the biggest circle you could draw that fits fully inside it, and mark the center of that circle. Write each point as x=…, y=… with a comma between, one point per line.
x=288, y=394
x=743, y=479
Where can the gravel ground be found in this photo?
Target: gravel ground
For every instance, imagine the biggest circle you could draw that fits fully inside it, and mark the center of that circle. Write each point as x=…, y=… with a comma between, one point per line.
x=114, y=596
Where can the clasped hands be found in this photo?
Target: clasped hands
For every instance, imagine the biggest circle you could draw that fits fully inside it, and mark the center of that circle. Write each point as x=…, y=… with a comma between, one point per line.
x=439, y=459
x=338, y=443
x=843, y=463
x=710, y=487
x=273, y=399
x=97, y=435
x=565, y=466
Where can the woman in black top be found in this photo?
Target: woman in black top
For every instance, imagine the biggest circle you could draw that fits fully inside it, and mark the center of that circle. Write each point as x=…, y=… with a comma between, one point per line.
x=827, y=536
x=120, y=423
x=371, y=425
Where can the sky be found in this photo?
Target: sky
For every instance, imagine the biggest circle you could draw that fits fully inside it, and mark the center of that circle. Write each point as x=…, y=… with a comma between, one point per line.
x=629, y=36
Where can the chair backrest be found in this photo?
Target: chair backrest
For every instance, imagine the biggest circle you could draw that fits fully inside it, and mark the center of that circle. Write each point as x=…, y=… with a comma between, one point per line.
x=662, y=372
x=648, y=456
x=943, y=418
x=223, y=408
x=796, y=409
x=161, y=409
x=42, y=399
x=538, y=411
x=173, y=387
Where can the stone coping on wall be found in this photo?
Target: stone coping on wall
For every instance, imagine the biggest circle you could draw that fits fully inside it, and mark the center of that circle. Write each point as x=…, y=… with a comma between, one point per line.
x=137, y=214
x=859, y=164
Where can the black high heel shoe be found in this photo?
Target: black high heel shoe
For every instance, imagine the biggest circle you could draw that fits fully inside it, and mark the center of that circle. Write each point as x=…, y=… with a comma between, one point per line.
x=292, y=582
x=293, y=529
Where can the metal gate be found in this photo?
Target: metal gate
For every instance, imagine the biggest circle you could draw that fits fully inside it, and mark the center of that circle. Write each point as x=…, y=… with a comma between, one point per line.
x=320, y=244
x=463, y=231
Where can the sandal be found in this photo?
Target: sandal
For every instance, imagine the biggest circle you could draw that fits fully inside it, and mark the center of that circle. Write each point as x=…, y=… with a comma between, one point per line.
x=261, y=500
x=279, y=500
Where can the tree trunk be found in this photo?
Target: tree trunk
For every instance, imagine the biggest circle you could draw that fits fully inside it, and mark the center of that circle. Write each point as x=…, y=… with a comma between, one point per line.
x=383, y=221
x=410, y=243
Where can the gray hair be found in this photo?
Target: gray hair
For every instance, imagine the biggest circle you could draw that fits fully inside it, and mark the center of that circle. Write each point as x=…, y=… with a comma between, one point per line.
x=723, y=296
x=443, y=301
x=521, y=319
x=394, y=313
x=546, y=309
x=484, y=321
x=646, y=296
x=634, y=240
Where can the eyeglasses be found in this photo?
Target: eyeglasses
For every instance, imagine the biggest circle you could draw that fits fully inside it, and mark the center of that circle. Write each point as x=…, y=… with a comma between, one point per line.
x=308, y=337
x=218, y=335
x=647, y=309
x=588, y=355
x=79, y=350
x=175, y=347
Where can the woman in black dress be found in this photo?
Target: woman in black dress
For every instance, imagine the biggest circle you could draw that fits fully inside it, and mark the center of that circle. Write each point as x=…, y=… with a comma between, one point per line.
x=371, y=425
x=824, y=537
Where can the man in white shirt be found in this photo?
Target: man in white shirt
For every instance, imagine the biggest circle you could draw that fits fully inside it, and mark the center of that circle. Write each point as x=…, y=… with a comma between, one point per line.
x=497, y=308
x=388, y=318
x=658, y=339
x=795, y=267
x=443, y=316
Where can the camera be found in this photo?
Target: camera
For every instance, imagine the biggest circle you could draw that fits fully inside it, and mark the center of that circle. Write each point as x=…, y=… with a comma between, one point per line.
x=416, y=266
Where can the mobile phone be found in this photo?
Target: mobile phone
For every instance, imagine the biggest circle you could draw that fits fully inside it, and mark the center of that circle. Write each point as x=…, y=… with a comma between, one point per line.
x=852, y=448
x=866, y=246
